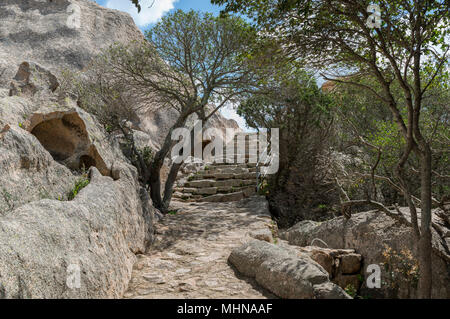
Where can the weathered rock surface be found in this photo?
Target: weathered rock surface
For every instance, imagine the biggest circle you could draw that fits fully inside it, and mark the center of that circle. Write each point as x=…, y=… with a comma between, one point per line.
x=43, y=140
x=373, y=234
x=31, y=78
x=262, y=234
x=73, y=137
x=43, y=143
x=100, y=232
x=343, y=265
x=28, y=172
x=285, y=274
x=43, y=32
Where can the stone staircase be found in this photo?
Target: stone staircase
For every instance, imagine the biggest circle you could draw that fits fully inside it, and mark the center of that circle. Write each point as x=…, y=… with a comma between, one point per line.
x=229, y=181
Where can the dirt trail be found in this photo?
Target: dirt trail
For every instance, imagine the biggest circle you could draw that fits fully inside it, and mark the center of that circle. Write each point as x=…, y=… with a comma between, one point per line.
x=189, y=257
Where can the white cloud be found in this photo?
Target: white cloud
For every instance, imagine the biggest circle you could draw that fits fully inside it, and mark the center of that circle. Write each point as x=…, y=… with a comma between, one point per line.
x=149, y=13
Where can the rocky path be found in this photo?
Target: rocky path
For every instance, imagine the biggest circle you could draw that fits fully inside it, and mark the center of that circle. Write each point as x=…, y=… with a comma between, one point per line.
x=189, y=257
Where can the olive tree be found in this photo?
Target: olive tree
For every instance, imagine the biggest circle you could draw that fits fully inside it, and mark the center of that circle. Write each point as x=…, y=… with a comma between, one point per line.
x=189, y=62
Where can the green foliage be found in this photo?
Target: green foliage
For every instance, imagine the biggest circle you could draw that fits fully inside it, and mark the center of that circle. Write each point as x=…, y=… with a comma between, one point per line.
x=264, y=189
x=319, y=23
x=360, y=278
x=188, y=62
x=205, y=52
x=79, y=185
x=351, y=290
x=147, y=154
x=109, y=128
x=8, y=197
x=359, y=114
x=289, y=99
x=401, y=268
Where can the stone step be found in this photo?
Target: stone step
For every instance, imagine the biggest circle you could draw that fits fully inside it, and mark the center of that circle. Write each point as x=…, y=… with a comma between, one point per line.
x=187, y=196
x=224, y=169
x=221, y=176
x=232, y=161
x=216, y=194
x=203, y=183
x=251, y=175
x=249, y=191
x=231, y=189
x=202, y=176
x=195, y=191
x=232, y=156
x=210, y=167
x=236, y=151
x=237, y=185
x=207, y=191
x=230, y=197
x=234, y=183
x=249, y=165
x=221, y=198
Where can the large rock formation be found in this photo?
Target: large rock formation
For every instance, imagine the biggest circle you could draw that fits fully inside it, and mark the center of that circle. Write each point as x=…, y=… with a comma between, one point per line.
x=44, y=238
x=50, y=246
x=385, y=242
x=46, y=33
x=285, y=272
x=99, y=233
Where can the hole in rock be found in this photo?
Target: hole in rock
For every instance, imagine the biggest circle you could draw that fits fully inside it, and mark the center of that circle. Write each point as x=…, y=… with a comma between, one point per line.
x=56, y=139
x=65, y=137
x=87, y=162
x=62, y=137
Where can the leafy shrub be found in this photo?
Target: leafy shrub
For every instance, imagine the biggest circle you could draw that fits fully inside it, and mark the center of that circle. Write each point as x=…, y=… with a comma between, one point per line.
x=79, y=185
x=401, y=268
x=350, y=290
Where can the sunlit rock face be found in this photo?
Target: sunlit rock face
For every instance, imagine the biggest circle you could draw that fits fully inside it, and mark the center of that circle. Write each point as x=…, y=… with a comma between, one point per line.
x=378, y=237
x=45, y=144
x=58, y=33
x=56, y=36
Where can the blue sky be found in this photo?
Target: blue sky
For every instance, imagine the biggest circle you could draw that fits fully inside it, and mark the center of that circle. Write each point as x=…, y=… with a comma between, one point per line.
x=150, y=15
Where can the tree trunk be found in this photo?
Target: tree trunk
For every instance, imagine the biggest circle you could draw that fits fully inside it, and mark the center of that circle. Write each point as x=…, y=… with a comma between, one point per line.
x=155, y=184
x=425, y=242
x=168, y=189
x=158, y=162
